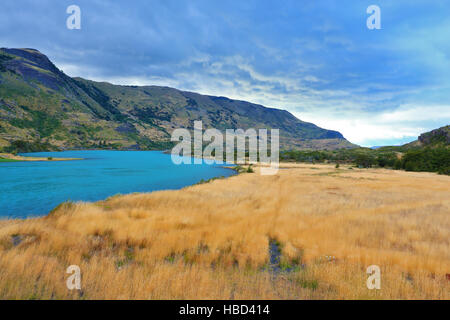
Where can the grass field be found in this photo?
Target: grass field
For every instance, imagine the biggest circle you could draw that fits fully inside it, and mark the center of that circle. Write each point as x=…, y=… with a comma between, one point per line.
x=309, y=232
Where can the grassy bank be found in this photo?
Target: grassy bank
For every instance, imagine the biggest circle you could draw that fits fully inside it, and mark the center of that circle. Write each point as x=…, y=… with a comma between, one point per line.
x=309, y=232
x=7, y=160
x=418, y=159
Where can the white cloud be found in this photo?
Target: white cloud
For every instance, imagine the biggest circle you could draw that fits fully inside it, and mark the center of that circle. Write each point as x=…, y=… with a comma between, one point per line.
x=417, y=113
x=407, y=121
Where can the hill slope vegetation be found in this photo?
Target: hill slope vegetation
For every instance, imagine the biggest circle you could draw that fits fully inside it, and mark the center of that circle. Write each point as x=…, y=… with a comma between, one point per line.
x=430, y=153
x=41, y=108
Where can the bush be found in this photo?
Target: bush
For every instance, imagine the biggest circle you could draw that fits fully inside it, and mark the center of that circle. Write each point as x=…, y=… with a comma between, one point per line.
x=427, y=159
x=445, y=170
x=386, y=159
x=365, y=160
x=21, y=146
x=436, y=159
x=410, y=166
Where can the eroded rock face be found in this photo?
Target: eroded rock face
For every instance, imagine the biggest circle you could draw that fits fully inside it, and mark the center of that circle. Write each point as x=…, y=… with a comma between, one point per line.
x=34, y=66
x=441, y=135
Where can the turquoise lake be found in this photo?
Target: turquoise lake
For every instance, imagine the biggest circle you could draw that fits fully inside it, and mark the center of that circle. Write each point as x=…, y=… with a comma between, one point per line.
x=35, y=188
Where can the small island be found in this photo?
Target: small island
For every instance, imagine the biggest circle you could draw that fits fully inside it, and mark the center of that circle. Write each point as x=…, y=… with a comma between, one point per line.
x=8, y=157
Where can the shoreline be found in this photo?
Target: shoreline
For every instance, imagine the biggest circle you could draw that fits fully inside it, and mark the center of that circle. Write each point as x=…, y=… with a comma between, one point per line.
x=8, y=157
x=17, y=158
x=325, y=224
x=238, y=170
x=31, y=217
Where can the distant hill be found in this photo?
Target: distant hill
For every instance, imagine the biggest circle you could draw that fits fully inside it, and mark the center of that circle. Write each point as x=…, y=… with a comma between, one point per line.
x=41, y=108
x=438, y=137
x=430, y=153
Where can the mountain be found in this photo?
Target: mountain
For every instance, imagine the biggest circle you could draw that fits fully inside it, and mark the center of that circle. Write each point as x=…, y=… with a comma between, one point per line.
x=430, y=152
x=435, y=138
x=42, y=108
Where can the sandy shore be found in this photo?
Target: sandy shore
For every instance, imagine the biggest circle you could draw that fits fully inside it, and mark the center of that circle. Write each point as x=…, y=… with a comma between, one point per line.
x=12, y=157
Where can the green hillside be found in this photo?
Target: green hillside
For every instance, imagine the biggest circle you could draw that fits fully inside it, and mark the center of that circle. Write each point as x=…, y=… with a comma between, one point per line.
x=430, y=152
x=435, y=138
x=41, y=108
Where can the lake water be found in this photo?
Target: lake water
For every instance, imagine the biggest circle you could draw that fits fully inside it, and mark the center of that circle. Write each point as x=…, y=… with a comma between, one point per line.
x=35, y=188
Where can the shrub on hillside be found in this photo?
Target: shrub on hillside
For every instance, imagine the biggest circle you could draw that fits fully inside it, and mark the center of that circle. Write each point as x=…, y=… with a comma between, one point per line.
x=21, y=146
x=427, y=159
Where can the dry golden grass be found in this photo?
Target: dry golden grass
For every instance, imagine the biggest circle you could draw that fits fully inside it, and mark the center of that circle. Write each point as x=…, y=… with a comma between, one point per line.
x=211, y=241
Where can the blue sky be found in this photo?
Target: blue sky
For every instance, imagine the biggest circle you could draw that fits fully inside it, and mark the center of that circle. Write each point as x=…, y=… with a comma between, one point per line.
x=316, y=59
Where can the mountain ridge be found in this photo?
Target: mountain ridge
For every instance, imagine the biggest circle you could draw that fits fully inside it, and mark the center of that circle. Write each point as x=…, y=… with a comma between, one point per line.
x=43, y=107
x=437, y=137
